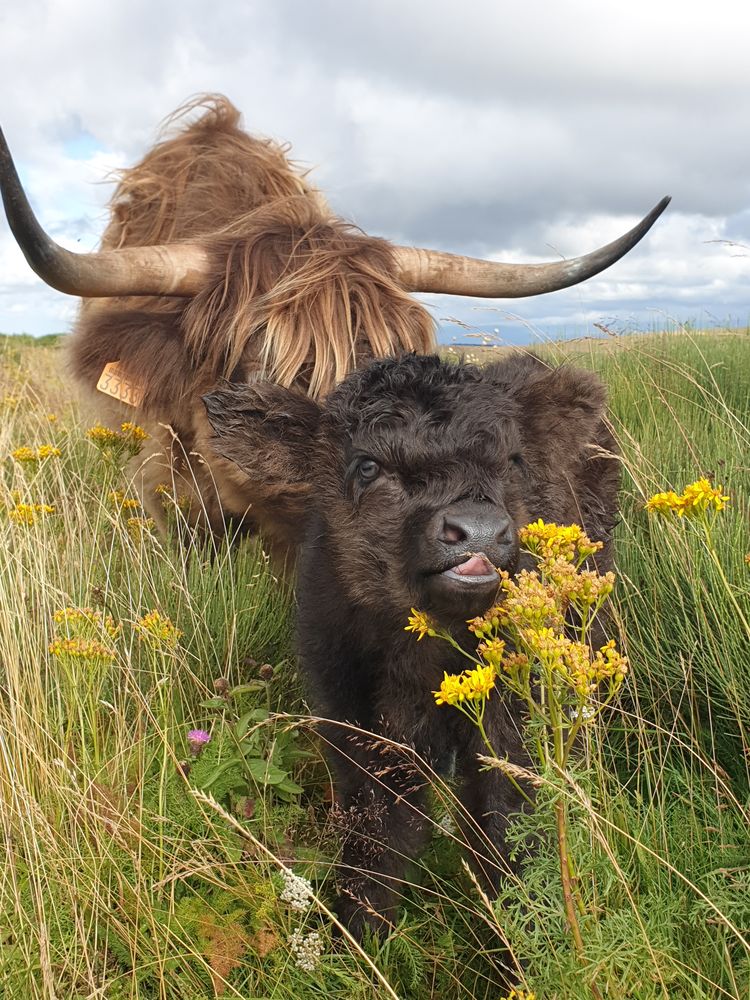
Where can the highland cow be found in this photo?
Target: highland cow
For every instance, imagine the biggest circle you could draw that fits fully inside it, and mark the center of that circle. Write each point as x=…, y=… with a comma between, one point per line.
x=220, y=260
x=410, y=483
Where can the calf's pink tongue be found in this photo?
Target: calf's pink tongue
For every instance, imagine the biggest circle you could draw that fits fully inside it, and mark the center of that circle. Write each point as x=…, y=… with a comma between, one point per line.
x=477, y=565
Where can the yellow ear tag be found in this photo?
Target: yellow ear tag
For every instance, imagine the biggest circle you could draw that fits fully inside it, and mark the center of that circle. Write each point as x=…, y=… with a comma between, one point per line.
x=113, y=382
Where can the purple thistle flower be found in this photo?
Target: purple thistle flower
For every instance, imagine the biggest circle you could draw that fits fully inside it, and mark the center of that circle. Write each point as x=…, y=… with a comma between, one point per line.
x=197, y=739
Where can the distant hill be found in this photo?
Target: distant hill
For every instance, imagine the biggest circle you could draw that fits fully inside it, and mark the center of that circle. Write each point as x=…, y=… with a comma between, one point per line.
x=19, y=339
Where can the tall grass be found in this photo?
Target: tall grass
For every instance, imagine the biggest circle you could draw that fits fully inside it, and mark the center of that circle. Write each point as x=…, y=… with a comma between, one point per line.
x=136, y=867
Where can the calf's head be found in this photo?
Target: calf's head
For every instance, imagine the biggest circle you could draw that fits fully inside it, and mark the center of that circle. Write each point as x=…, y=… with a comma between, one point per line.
x=414, y=475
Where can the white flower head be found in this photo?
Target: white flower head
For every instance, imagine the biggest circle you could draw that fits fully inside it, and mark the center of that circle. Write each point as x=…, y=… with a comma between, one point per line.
x=587, y=712
x=297, y=890
x=446, y=826
x=306, y=948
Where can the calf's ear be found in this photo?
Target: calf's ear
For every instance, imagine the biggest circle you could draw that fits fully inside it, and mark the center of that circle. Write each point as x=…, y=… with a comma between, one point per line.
x=565, y=405
x=266, y=430
x=571, y=453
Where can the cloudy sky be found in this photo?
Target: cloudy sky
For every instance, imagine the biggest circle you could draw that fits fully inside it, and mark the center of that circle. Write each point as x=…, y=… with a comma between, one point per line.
x=521, y=132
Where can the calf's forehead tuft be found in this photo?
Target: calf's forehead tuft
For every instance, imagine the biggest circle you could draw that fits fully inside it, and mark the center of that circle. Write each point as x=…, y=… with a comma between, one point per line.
x=420, y=411
x=413, y=383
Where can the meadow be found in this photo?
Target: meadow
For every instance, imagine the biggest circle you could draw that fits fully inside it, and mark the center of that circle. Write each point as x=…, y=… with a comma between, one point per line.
x=164, y=799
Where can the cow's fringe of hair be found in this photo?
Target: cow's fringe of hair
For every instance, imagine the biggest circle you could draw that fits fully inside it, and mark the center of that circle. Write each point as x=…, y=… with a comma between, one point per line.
x=294, y=293
x=310, y=298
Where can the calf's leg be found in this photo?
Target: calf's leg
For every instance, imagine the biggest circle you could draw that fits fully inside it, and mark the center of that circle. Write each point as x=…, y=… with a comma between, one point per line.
x=380, y=816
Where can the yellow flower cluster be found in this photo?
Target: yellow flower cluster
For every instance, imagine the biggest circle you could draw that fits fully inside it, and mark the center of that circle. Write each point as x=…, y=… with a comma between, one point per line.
x=420, y=624
x=103, y=437
x=516, y=994
x=158, y=630
x=534, y=614
x=129, y=438
x=610, y=664
x=695, y=499
x=534, y=601
x=83, y=620
x=169, y=501
x=529, y=602
x=120, y=502
x=571, y=661
x=472, y=685
x=582, y=588
x=549, y=540
x=80, y=649
x=28, y=513
x=491, y=651
x=25, y=454
x=139, y=527
x=133, y=431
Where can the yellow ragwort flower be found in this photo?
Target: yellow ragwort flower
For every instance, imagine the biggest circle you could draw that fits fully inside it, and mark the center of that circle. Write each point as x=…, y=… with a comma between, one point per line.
x=451, y=691
x=158, y=630
x=128, y=439
x=24, y=454
x=546, y=644
x=588, y=588
x=421, y=624
x=491, y=651
x=695, y=499
x=133, y=431
x=472, y=685
x=47, y=451
x=609, y=664
x=82, y=620
x=550, y=540
x=140, y=527
x=478, y=682
x=666, y=503
x=118, y=500
x=81, y=649
x=27, y=513
x=701, y=496
x=104, y=437
x=516, y=665
x=529, y=602
x=486, y=624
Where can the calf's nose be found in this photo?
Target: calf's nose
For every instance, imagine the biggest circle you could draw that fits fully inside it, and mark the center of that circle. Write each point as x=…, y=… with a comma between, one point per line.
x=475, y=529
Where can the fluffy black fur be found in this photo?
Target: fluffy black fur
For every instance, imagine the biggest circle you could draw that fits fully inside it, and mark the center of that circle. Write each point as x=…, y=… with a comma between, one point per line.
x=408, y=466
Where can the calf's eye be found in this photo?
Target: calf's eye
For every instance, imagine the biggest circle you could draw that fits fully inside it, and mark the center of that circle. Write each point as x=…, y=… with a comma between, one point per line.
x=517, y=459
x=368, y=470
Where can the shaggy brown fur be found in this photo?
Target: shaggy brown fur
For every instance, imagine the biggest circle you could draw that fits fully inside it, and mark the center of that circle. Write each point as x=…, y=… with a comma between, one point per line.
x=295, y=295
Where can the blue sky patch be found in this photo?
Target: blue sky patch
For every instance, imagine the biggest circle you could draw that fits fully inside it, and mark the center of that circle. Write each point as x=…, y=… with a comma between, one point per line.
x=82, y=146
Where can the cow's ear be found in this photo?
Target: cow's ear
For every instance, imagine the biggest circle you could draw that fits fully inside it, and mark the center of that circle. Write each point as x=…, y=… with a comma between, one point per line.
x=564, y=405
x=266, y=430
x=570, y=453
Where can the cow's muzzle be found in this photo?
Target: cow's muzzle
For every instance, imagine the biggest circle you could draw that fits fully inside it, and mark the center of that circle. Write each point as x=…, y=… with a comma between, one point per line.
x=471, y=541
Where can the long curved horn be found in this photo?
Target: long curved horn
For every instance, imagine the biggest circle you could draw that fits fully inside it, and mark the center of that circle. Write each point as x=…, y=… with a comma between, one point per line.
x=178, y=269
x=182, y=268
x=434, y=271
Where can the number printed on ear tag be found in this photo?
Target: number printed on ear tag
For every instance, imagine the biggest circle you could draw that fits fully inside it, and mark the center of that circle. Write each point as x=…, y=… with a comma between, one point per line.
x=115, y=383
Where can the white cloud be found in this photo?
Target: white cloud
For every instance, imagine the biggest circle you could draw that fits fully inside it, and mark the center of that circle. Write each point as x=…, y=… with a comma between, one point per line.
x=517, y=131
